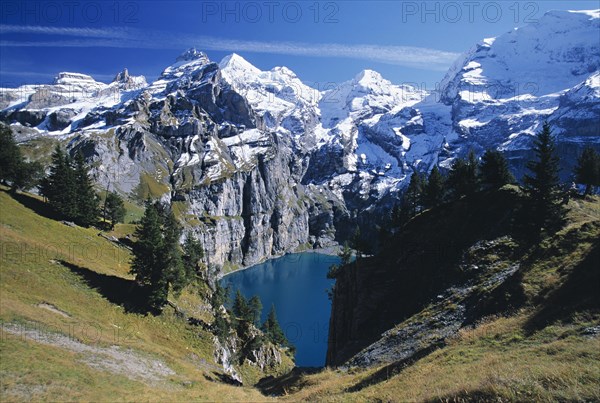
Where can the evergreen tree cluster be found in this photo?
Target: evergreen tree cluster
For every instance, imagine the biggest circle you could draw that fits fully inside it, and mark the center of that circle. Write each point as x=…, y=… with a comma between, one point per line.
x=466, y=177
x=587, y=171
x=69, y=189
x=273, y=331
x=247, y=311
x=244, y=316
x=542, y=211
x=159, y=263
x=14, y=169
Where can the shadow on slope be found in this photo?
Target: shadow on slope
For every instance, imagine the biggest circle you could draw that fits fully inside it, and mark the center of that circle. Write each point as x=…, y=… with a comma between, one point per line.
x=579, y=293
x=281, y=385
x=36, y=205
x=119, y=291
x=392, y=369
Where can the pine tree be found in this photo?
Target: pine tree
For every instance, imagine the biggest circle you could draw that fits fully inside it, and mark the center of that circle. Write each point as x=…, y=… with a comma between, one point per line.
x=147, y=248
x=255, y=306
x=86, y=198
x=29, y=175
x=272, y=329
x=433, y=192
x=219, y=296
x=543, y=207
x=59, y=186
x=494, y=170
x=345, y=255
x=14, y=169
x=358, y=243
x=398, y=215
x=192, y=255
x=171, y=256
x=10, y=155
x=240, y=307
x=411, y=201
x=472, y=177
x=463, y=178
x=221, y=325
x=587, y=171
x=157, y=263
x=114, y=209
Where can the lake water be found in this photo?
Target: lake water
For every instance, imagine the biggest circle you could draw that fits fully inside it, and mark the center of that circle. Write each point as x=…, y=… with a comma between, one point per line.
x=297, y=284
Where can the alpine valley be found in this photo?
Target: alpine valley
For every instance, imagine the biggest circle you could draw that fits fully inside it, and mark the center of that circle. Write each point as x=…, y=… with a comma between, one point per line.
x=458, y=278
x=259, y=164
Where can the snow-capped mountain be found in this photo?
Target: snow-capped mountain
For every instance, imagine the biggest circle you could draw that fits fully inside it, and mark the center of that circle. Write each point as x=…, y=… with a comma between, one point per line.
x=261, y=163
x=63, y=105
x=502, y=90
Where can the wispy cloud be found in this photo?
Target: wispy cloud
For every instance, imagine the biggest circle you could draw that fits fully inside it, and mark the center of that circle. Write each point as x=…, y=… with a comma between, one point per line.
x=42, y=77
x=430, y=59
x=113, y=32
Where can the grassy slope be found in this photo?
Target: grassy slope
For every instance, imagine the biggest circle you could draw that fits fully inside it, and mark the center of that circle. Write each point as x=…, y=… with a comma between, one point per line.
x=32, y=245
x=541, y=352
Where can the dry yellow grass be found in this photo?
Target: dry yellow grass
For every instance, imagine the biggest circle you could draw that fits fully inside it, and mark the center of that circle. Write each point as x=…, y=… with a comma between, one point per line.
x=38, y=292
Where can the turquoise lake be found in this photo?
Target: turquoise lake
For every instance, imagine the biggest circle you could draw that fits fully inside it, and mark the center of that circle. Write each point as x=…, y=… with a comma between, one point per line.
x=297, y=284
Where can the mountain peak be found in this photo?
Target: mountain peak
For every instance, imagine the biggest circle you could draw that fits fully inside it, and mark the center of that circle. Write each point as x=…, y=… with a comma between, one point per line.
x=69, y=78
x=128, y=81
x=283, y=70
x=122, y=76
x=237, y=62
x=192, y=54
x=368, y=76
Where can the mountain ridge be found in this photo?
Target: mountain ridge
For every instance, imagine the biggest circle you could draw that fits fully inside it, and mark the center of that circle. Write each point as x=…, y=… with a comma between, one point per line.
x=345, y=153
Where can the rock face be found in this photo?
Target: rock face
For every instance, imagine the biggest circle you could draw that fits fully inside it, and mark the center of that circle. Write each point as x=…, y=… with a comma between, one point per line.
x=259, y=164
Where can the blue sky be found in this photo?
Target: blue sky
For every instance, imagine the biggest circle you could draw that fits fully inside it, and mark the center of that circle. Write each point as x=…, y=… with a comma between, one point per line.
x=323, y=42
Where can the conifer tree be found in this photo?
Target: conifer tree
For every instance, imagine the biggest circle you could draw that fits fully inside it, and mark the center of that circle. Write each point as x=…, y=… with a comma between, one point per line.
x=413, y=197
x=433, y=192
x=171, y=255
x=29, y=175
x=494, y=170
x=543, y=207
x=157, y=258
x=472, y=177
x=192, y=255
x=358, y=243
x=114, y=209
x=59, y=186
x=587, y=171
x=87, y=203
x=14, y=170
x=398, y=215
x=219, y=296
x=255, y=306
x=147, y=253
x=463, y=179
x=10, y=155
x=345, y=255
x=272, y=329
x=240, y=307
x=221, y=325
